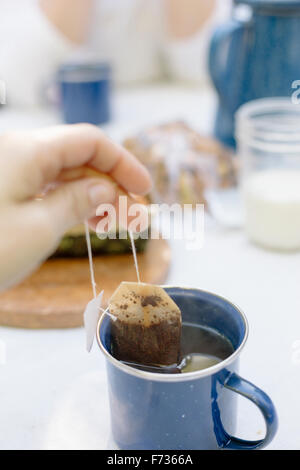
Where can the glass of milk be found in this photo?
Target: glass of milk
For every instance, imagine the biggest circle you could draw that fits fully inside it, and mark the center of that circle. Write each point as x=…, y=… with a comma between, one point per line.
x=268, y=139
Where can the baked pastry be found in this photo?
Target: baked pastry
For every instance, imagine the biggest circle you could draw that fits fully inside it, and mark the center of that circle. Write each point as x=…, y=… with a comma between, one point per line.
x=73, y=244
x=182, y=162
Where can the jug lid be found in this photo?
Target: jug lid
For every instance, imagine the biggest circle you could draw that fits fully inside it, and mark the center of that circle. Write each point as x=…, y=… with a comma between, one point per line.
x=270, y=4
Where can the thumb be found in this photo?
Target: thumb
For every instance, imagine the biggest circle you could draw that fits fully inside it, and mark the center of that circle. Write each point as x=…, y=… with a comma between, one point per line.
x=71, y=203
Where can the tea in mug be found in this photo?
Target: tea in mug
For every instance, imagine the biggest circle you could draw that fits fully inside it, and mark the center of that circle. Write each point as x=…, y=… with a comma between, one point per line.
x=201, y=348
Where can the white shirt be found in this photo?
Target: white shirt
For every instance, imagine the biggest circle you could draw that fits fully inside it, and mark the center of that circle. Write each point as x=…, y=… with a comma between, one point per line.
x=130, y=34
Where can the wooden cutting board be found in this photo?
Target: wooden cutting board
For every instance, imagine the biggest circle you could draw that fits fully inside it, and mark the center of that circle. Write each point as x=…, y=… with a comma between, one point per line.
x=55, y=296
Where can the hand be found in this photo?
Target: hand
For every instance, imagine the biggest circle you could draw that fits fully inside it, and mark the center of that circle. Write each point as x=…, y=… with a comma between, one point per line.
x=185, y=18
x=70, y=17
x=31, y=161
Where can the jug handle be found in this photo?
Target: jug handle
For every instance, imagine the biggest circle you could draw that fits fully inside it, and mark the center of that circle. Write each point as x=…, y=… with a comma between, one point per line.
x=237, y=384
x=224, y=34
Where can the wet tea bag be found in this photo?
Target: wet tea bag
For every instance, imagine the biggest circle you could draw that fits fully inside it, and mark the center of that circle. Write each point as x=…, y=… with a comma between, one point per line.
x=147, y=326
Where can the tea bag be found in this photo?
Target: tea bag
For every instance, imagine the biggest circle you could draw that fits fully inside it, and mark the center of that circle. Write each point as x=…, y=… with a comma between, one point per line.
x=147, y=328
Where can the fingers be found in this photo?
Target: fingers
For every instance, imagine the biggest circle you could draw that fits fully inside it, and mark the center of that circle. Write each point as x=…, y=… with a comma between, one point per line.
x=36, y=226
x=28, y=238
x=71, y=203
x=33, y=159
x=128, y=213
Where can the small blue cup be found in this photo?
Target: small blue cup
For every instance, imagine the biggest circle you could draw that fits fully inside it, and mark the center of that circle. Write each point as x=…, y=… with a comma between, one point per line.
x=188, y=411
x=84, y=91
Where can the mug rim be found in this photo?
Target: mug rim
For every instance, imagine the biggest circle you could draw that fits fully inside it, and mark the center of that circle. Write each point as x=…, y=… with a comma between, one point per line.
x=154, y=376
x=82, y=72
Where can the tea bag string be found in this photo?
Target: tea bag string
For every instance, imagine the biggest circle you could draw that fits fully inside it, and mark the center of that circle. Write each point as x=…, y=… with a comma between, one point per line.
x=92, y=271
x=134, y=255
x=90, y=256
x=89, y=248
x=91, y=264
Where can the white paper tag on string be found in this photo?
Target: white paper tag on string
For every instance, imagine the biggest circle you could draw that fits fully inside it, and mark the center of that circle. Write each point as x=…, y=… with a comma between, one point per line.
x=91, y=317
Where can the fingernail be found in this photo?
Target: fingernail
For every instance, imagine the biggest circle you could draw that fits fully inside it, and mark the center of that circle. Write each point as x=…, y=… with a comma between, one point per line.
x=101, y=193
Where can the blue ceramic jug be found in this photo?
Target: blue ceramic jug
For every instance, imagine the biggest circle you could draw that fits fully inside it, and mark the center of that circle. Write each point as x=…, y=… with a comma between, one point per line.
x=254, y=58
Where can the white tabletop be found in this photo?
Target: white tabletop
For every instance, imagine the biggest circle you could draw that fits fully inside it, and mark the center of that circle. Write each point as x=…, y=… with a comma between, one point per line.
x=53, y=394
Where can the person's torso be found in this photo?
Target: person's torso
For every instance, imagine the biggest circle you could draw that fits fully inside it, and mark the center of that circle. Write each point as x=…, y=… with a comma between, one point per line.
x=128, y=34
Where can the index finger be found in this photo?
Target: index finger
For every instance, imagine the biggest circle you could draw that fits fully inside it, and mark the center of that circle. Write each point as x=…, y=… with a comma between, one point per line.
x=49, y=151
x=86, y=144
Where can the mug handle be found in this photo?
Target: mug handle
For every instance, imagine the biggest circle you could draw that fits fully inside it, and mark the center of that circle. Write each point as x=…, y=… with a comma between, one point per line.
x=230, y=34
x=241, y=386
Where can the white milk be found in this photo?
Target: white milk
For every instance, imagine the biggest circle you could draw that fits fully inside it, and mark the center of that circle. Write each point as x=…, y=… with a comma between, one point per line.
x=272, y=202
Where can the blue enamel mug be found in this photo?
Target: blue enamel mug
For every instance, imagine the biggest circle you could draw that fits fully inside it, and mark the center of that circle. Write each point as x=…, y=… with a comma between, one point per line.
x=254, y=56
x=189, y=411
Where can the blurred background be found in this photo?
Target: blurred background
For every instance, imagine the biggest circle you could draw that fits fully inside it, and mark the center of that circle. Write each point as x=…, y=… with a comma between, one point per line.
x=141, y=41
